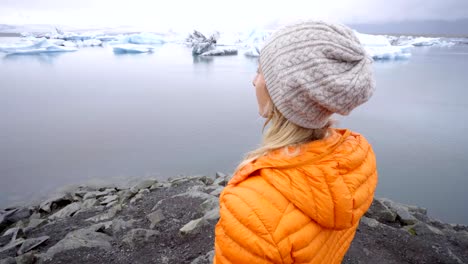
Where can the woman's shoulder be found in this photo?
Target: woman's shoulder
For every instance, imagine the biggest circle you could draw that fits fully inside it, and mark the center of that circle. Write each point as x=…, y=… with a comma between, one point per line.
x=255, y=191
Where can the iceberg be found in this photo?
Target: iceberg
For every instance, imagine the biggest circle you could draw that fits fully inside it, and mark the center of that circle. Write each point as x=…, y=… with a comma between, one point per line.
x=25, y=44
x=87, y=39
x=254, y=41
x=388, y=53
x=141, y=38
x=106, y=38
x=132, y=48
x=69, y=44
x=252, y=52
x=421, y=41
x=197, y=37
x=201, y=44
x=201, y=48
x=373, y=40
x=380, y=48
x=220, y=52
x=74, y=36
x=256, y=38
x=77, y=43
x=31, y=47
x=92, y=43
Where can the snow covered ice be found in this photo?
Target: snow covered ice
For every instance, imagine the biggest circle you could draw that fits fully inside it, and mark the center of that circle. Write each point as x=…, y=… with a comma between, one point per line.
x=380, y=48
x=35, y=47
x=420, y=41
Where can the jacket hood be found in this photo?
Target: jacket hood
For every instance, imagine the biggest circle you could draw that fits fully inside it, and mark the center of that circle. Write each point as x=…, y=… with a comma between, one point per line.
x=332, y=180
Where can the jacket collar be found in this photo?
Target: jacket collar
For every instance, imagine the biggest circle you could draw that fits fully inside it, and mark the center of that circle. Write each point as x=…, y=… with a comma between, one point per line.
x=314, y=150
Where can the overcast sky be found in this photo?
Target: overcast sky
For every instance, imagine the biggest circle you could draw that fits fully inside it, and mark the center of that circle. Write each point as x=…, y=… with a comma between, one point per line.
x=222, y=14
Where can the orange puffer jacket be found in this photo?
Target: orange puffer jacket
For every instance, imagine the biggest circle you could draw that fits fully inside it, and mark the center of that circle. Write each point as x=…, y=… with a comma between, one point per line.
x=302, y=209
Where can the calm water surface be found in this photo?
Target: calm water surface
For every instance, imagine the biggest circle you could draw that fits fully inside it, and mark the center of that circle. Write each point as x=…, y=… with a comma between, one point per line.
x=70, y=118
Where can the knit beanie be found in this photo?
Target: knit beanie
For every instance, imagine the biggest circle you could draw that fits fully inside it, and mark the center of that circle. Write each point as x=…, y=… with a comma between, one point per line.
x=313, y=69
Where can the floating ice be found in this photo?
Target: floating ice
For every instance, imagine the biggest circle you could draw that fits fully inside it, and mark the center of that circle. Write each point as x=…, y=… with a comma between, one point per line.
x=252, y=52
x=459, y=41
x=254, y=42
x=201, y=44
x=69, y=44
x=373, y=40
x=132, y=48
x=197, y=37
x=200, y=48
x=256, y=38
x=92, y=43
x=74, y=36
x=141, y=38
x=31, y=47
x=421, y=41
x=388, y=53
x=220, y=52
x=380, y=48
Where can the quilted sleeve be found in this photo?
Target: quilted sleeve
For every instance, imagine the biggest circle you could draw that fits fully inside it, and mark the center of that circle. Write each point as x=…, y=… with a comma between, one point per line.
x=241, y=235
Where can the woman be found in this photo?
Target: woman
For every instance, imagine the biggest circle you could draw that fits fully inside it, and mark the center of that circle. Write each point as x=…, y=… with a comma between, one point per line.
x=299, y=197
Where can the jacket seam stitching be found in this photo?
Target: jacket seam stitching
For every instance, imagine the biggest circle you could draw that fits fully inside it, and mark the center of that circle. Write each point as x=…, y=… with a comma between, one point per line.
x=237, y=219
x=271, y=236
x=313, y=194
x=241, y=246
x=263, y=196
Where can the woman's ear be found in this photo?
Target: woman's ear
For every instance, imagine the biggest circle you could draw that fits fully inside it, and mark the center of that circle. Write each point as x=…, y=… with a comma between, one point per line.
x=268, y=109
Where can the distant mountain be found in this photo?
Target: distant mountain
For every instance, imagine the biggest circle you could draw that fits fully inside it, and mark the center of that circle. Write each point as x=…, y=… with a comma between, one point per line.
x=430, y=27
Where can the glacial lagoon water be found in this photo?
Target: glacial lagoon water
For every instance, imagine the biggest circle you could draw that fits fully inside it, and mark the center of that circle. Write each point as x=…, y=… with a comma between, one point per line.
x=76, y=117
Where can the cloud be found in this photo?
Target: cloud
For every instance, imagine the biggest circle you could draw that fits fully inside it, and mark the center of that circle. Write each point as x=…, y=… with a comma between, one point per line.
x=222, y=14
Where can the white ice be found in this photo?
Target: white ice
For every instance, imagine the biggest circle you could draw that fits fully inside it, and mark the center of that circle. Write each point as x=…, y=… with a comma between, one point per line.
x=380, y=48
x=220, y=52
x=132, y=48
x=35, y=47
x=141, y=38
x=252, y=52
x=422, y=41
x=253, y=41
x=256, y=38
x=388, y=53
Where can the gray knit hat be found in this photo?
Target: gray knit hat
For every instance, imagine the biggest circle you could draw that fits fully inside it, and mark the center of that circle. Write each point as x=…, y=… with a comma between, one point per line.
x=313, y=69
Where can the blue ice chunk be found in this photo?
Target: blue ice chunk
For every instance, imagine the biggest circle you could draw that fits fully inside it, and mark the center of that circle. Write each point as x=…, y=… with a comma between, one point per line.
x=132, y=48
x=141, y=38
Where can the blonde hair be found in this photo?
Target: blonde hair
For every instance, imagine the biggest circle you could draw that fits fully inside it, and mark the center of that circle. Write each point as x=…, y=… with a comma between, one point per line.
x=281, y=133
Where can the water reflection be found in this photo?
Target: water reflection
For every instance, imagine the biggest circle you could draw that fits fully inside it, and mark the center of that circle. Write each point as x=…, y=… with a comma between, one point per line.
x=202, y=59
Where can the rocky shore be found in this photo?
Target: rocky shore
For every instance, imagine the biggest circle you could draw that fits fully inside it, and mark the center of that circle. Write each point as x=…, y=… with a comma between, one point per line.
x=173, y=222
